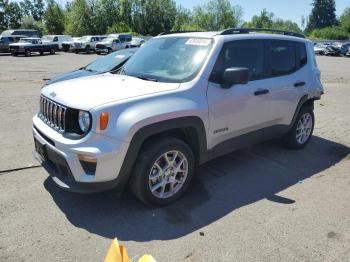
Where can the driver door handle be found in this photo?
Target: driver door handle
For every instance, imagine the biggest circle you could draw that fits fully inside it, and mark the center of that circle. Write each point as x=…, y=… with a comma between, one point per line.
x=261, y=92
x=300, y=83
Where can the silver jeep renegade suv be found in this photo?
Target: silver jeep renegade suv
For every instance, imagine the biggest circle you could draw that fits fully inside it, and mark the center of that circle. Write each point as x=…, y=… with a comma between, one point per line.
x=181, y=100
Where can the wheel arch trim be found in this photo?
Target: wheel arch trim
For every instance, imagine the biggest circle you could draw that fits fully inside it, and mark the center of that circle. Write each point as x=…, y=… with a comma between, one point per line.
x=158, y=128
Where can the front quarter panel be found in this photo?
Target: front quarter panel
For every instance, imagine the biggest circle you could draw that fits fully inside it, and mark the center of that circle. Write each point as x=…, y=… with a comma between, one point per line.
x=134, y=117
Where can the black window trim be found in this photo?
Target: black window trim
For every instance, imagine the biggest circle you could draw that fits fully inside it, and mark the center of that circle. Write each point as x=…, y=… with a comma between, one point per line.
x=296, y=54
x=265, y=62
x=266, y=67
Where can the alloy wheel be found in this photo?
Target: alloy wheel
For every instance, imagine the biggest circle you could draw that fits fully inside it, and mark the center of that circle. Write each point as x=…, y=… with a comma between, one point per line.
x=168, y=174
x=304, y=128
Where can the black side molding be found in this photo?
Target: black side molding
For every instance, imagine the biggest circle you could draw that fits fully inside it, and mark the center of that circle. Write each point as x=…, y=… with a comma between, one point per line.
x=158, y=128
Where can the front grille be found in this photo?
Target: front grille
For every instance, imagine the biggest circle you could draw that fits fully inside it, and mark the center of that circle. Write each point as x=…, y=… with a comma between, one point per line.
x=53, y=114
x=100, y=46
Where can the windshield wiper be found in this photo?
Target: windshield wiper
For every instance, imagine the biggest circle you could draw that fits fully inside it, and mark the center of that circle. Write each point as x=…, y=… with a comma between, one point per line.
x=147, y=78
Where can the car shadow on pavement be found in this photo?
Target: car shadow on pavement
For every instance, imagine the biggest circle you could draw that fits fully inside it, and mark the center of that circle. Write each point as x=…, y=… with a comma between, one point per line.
x=220, y=187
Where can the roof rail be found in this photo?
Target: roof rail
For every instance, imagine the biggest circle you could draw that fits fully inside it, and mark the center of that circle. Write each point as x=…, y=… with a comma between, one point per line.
x=233, y=31
x=176, y=32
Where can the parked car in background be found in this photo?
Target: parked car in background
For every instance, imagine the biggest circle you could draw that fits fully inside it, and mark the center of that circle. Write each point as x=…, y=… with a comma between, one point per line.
x=5, y=42
x=344, y=48
x=125, y=39
x=137, y=42
x=87, y=43
x=332, y=51
x=69, y=45
x=108, y=63
x=56, y=39
x=108, y=45
x=25, y=32
x=348, y=52
x=27, y=46
x=319, y=49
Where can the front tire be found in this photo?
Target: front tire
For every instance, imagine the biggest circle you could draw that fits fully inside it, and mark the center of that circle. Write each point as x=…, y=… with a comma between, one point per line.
x=163, y=171
x=52, y=51
x=301, y=132
x=27, y=52
x=87, y=49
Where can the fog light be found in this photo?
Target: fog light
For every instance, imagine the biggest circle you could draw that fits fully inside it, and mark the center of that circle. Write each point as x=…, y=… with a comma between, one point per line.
x=88, y=163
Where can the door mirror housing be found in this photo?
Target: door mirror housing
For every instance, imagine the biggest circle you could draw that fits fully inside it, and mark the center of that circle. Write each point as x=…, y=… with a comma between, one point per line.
x=235, y=75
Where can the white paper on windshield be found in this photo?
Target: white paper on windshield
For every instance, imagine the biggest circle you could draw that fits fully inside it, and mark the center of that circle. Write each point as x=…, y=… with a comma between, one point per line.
x=120, y=56
x=198, y=41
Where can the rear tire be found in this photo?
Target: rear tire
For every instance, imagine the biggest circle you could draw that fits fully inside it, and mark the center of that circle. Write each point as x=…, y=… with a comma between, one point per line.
x=87, y=49
x=27, y=52
x=41, y=53
x=163, y=171
x=301, y=132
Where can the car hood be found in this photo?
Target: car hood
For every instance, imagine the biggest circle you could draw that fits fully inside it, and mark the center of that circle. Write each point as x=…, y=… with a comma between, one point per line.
x=71, y=75
x=89, y=92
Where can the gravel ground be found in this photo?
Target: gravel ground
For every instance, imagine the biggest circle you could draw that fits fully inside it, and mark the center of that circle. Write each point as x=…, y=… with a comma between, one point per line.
x=264, y=203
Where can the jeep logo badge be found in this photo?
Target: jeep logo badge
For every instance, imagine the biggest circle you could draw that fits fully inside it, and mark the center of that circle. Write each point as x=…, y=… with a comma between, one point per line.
x=53, y=94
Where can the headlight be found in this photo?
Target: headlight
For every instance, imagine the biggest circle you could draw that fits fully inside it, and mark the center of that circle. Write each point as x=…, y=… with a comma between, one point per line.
x=84, y=121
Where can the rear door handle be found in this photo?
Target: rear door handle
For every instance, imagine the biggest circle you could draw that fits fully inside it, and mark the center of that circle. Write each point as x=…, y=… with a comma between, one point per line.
x=298, y=84
x=261, y=92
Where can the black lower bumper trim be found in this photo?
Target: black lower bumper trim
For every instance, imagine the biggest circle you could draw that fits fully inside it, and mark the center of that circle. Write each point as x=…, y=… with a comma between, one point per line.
x=57, y=167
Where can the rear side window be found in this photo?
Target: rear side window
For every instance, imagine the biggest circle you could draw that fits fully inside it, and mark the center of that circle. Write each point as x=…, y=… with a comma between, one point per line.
x=241, y=53
x=282, y=57
x=301, y=54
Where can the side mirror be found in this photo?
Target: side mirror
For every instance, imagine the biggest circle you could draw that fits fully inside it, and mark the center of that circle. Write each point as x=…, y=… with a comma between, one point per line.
x=235, y=75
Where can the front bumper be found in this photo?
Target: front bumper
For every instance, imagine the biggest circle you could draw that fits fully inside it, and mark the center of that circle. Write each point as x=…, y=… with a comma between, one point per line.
x=59, y=156
x=101, y=50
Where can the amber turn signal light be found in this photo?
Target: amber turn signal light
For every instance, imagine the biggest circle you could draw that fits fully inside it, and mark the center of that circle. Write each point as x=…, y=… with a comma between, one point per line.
x=104, y=117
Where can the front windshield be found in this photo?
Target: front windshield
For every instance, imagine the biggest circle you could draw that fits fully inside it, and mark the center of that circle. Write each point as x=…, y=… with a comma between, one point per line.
x=85, y=38
x=111, y=61
x=107, y=40
x=47, y=38
x=169, y=59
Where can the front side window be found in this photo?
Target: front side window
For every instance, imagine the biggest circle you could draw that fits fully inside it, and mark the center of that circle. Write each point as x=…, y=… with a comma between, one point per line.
x=282, y=57
x=169, y=59
x=241, y=53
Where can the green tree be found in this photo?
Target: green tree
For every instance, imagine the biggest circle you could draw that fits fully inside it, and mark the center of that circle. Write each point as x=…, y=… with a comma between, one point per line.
x=54, y=18
x=10, y=15
x=33, y=8
x=322, y=15
x=264, y=20
x=345, y=19
x=183, y=18
x=14, y=15
x=79, y=19
x=120, y=27
x=330, y=33
x=28, y=22
x=107, y=13
x=217, y=15
x=153, y=17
